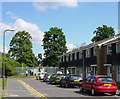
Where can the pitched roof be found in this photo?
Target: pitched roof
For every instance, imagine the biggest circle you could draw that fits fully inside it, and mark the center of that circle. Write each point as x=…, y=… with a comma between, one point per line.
x=95, y=44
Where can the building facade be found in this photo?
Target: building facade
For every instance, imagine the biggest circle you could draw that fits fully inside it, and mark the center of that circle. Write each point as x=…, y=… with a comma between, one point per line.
x=98, y=58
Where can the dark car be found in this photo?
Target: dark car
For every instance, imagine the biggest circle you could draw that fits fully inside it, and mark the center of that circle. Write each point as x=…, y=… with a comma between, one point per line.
x=55, y=78
x=99, y=84
x=71, y=80
x=46, y=77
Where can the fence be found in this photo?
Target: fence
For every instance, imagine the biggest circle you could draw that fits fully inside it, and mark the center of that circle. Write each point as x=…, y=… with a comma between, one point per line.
x=22, y=70
x=50, y=69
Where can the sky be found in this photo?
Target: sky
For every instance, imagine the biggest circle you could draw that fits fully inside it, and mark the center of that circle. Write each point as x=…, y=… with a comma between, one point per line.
x=77, y=19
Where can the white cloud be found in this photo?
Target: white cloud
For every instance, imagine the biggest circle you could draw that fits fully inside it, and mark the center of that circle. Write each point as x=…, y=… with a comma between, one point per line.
x=42, y=6
x=70, y=46
x=1, y=49
x=33, y=29
x=4, y=27
x=12, y=15
x=118, y=30
x=21, y=25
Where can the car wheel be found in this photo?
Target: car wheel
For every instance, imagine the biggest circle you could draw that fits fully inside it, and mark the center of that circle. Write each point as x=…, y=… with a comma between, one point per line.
x=49, y=82
x=113, y=93
x=81, y=88
x=93, y=92
x=66, y=85
x=54, y=82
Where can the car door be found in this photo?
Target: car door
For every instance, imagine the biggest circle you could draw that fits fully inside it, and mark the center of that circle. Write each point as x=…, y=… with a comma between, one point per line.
x=63, y=80
x=51, y=78
x=91, y=83
x=66, y=79
x=86, y=84
x=54, y=77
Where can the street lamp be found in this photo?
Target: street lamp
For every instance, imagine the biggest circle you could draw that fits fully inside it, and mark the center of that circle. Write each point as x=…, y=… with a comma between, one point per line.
x=3, y=68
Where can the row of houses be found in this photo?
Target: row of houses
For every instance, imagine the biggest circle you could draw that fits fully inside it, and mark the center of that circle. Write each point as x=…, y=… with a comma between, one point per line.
x=97, y=58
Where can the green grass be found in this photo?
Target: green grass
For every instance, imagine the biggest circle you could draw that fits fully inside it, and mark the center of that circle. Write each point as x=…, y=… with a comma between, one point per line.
x=1, y=81
x=20, y=76
x=118, y=85
x=0, y=96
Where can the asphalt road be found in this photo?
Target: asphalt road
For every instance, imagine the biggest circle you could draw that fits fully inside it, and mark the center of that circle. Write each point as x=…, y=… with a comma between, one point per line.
x=55, y=91
x=15, y=89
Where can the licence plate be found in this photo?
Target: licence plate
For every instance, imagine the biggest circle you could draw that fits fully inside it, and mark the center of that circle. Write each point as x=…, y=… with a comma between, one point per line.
x=76, y=80
x=107, y=84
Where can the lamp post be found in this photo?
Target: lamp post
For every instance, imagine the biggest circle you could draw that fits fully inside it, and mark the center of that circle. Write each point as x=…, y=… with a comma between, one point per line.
x=3, y=68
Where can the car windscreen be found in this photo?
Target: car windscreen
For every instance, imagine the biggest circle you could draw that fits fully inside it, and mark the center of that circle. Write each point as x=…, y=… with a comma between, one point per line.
x=105, y=79
x=60, y=75
x=76, y=77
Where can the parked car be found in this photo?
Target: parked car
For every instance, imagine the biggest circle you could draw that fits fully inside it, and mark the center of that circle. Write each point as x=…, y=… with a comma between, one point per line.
x=71, y=80
x=38, y=75
x=55, y=78
x=47, y=77
x=99, y=84
x=42, y=75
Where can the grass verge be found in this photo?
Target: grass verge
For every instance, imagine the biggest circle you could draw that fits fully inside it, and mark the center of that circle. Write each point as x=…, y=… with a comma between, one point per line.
x=1, y=83
x=20, y=76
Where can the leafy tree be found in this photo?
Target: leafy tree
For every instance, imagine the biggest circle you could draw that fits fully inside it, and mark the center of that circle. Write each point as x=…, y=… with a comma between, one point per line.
x=40, y=58
x=102, y=33
x=21, y=49
x=54, y=44
x=10, y=66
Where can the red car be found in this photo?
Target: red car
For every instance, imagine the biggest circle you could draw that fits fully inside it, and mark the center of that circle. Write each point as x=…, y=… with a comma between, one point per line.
x=99, y=84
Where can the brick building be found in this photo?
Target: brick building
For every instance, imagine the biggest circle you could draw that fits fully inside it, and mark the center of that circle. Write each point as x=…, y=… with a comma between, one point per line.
x=102, y=57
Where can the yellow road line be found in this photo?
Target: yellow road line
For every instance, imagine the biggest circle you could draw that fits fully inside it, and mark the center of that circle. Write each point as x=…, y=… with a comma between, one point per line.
x=33, y=90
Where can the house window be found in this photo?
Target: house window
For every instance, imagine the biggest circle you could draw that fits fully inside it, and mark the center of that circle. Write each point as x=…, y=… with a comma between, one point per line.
x=109, y=49
x=119, y=69
x=80, y=54
x=88, y=53
x=75, y=56
x=63, y=59
x=118, y=48
x=70, y=57
x=60, y=59
x=66, y=58
x=80, y=70
x=95, y=51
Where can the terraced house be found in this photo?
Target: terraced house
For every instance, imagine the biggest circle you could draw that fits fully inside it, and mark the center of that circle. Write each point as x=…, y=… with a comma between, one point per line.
x=102, y=57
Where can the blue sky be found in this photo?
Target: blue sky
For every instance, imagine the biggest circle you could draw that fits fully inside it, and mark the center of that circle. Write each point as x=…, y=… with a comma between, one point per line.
x=78, y=20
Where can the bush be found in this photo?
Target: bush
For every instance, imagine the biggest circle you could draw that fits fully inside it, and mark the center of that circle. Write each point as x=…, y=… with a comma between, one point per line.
x=10, y=66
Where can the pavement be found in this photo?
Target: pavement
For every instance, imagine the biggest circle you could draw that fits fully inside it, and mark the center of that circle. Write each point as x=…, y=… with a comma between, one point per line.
x=15, y=88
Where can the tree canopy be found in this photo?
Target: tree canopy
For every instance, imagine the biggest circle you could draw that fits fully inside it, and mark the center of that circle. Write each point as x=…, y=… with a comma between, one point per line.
x=10, y=67
x=39, y=58
x=21, y=49
x=54, y=44
x=102, y=33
